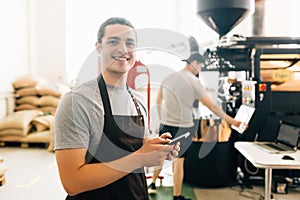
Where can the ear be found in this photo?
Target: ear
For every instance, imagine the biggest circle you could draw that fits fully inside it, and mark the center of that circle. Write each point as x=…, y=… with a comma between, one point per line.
x=98, y=47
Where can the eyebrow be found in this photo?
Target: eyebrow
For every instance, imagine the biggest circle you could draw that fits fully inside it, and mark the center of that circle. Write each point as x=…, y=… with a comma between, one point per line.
x=118, y=38
x=114, y=37
x=130, y=39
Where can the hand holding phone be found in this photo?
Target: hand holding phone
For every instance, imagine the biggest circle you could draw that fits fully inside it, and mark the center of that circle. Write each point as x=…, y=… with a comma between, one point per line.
x=178, y=138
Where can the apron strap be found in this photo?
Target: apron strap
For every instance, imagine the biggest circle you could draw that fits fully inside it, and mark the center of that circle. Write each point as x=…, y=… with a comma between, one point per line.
x=137, y=107
x=104, y=95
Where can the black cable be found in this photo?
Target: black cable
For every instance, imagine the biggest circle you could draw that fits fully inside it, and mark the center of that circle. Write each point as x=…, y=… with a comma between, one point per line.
x=248, y=170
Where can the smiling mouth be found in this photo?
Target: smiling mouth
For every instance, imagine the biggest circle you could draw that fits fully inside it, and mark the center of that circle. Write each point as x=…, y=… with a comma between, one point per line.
x=121, y=58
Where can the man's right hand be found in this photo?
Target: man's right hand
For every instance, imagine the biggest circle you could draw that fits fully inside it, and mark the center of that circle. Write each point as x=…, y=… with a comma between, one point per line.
x=155, y=151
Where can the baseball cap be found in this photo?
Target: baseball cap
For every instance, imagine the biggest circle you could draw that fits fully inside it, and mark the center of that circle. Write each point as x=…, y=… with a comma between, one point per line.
x=195, y=56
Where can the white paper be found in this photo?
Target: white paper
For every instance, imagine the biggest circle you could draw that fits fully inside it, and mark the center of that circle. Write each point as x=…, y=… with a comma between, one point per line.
x=243, y=115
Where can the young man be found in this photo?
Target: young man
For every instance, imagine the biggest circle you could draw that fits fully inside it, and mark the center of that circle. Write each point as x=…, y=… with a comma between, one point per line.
x=101, y=142
x=175, y=100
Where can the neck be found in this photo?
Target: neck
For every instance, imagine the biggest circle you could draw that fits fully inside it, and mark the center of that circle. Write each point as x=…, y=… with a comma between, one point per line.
x=115, y=79
x=186, y=68
x=189, y=68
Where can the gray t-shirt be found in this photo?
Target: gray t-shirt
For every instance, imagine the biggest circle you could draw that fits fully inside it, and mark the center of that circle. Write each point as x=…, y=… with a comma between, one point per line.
x=179, y=91
x=79, y=118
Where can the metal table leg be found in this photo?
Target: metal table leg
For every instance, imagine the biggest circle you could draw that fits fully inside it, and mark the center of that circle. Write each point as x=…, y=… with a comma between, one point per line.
x=268, y=183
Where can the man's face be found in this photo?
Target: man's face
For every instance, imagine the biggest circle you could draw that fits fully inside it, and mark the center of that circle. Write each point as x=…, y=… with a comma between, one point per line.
x=196, y=67
x=117, y=48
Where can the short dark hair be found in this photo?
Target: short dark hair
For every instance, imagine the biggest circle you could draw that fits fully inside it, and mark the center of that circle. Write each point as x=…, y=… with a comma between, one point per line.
x=195, y=56
x=111, y=21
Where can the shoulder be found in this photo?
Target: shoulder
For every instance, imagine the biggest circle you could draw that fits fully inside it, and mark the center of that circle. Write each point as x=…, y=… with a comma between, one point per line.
x=83, y=96
x=87, y=89
x=188, y=76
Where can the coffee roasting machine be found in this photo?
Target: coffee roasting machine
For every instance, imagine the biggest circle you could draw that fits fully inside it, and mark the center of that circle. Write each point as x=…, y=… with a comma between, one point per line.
x=271, y=66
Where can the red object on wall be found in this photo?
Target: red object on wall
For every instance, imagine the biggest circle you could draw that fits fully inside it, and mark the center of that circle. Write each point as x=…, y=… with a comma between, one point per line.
x=138, y=69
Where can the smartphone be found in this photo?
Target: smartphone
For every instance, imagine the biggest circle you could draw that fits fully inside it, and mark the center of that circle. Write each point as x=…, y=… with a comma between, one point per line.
x=185, y=135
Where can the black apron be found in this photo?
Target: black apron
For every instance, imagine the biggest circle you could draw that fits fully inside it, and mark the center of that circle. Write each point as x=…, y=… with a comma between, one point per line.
x=116, y=143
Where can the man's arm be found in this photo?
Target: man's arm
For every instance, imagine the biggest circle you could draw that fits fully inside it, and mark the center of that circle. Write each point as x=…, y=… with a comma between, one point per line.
x=218, y=111
x=77, y=176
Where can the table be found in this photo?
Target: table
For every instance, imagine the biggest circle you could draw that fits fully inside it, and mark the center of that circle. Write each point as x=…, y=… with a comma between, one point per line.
x=268, y=161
